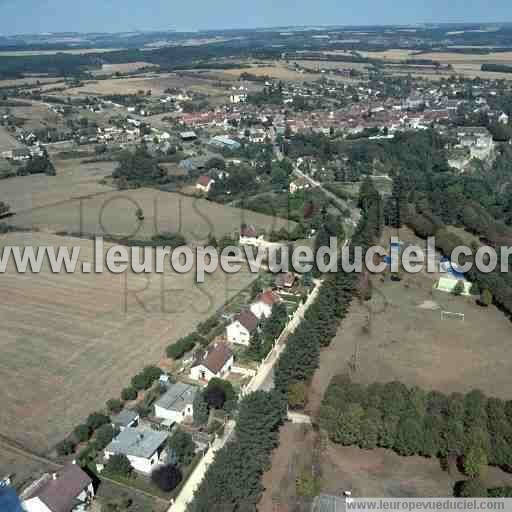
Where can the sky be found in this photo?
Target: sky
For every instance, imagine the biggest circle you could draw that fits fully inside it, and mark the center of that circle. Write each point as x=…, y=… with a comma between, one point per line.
x=40, y=16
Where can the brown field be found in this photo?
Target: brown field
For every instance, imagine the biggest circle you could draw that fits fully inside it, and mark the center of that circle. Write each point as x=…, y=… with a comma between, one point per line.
x=113, y=213
x=158, y=84
x=69, y=342
x=128, y=67
x=411, y=343
x=38, y=116
x=28, y=81
x=7, y=141
x=73, y=180
x=367, y=473
x=393, y=54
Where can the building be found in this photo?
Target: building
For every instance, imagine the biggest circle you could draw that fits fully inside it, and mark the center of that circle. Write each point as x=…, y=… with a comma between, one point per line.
x=18, y=155
x=176, y=404
x=205, y=183
x=238, y=98
x=249, y=235
x=285, y=280
x=240, y=330
x=188, y=136
x=216, y=361
x=448, y=284
x=145, y=449
x=69, y=490
x=298, y=184
x=125, y=419
x=225, y=142
x=262, y=306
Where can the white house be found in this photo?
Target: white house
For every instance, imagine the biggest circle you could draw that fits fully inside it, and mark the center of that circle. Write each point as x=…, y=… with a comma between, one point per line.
x=262, y=306
x=503, y=118
x=216, y=361
x=176, y=404
x=240, y=330
x=205, y=183
x=69, y=490
x=298, y=184
x=144, y=448
x=249, y=235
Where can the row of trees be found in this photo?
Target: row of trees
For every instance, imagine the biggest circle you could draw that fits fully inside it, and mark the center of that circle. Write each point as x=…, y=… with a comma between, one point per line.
x=413, y=421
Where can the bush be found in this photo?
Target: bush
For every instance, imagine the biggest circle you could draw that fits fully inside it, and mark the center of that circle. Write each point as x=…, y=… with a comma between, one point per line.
x=96, y=420
x=166, y=478
x=65, y=447
x=119, y=465
x=145, y=379
x=82, y=433
x=182, y=446
x=129, y=394
x=114, y=405
x=182, y=346
x=470, y=489
x=297, y=395
x=104, y=436
x=218, y=392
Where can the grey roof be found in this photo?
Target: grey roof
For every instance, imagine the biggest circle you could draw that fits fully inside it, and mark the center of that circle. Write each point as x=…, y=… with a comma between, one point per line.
x=177, y=397
x=137, y=443
x=124, y=418
x=326, y=503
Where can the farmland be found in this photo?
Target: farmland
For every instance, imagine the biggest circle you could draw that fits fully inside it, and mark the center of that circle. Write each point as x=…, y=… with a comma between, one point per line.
x=113, y=213
x=75, y=340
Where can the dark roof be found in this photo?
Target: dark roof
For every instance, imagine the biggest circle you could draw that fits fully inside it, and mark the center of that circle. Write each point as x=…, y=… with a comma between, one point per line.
x=216, y=357
x=59, y=494
x=285, y=280
x=268, y=297
x=248, y=231
x=124, y=418
x=177, y=397
x=248, y=320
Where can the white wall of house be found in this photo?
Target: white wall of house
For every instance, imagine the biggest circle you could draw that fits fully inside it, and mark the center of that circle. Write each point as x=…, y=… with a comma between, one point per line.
x=237, y=333
x=200, y=372
x=140, y=464
x=35, y=505
x=176, y=416
x=260, y=309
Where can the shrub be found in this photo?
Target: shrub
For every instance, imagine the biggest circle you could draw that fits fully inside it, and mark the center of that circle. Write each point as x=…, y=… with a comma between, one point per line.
x=166, y=478
x=96, y=420
x=104, y=436
x=114, y=405
x=129, y=393
x=82, y=433
x=119, y=465
x=65, y=447
x=182, y=346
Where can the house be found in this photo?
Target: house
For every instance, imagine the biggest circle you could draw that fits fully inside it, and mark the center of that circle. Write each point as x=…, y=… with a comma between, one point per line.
x=225, y=142
x=262, y=306
x=249, y=235
x=503, y=118
x=69, y=490
x=298, y=184
x=285, y=280
x=238, y=98
x=448, y=284
x=188, y=136
x=176, y=404
x=125, y=419
x=240, y=330
x=205, y=183
x=144, y=448
x=18, y=155
x=216, y=361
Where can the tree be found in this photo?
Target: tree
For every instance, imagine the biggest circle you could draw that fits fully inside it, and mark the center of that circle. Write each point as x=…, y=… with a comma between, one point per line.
x=297, y=395
x=409, y=437
x=201, y=412
x=348, y=425
x=114, y=405
x=308, y=485
x=255, y=350
x=96, y=420
x=82, y=433
x=129, y=393
x=218, y=392
x=119, y=464
x=139, y=214
x=104, y=436
x=475, y=461
x=65, y=447
x=182, y=447
x=166, y=478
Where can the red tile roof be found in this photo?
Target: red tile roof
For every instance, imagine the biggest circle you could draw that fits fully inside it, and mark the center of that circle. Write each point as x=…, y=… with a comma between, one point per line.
x=216, y=357
x=268, y=297
x=248, y=320
x=204, y=180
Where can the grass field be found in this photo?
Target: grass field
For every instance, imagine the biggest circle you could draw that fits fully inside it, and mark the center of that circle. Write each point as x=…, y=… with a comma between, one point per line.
x=76, y=51
x=113, y=213
x=69, y=342
x=408, y=341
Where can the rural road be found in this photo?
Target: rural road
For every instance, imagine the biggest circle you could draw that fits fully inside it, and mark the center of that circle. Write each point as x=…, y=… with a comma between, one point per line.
x=263, y=380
